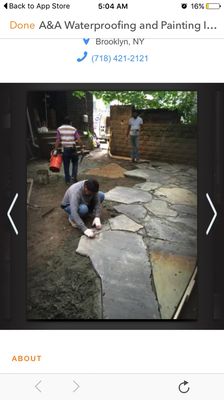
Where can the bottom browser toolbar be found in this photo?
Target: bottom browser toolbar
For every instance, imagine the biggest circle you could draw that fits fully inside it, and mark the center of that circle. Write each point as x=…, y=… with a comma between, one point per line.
x=111, y=386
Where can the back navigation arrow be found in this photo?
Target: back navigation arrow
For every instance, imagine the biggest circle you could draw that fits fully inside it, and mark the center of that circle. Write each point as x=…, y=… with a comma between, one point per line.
x=6, y=5
x=214, y=216
x=9, y=214
x=37, y=386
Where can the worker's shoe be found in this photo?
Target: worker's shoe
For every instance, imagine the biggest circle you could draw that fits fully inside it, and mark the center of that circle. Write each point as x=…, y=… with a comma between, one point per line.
x=73, y=224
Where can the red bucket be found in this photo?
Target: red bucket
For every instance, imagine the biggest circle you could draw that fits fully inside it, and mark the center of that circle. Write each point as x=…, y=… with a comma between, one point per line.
x=55, y=162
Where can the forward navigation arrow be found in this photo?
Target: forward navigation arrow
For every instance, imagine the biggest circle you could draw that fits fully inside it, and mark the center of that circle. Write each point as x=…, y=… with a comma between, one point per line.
x=214, y=216
x=76, y=386
x=9, y=216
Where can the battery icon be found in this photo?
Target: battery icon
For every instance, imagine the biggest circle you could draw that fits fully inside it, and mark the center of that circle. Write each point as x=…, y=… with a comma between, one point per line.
x=213, y=6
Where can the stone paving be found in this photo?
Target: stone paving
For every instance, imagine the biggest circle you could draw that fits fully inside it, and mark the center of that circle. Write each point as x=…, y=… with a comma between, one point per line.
x=146, y=255
x=120, y=258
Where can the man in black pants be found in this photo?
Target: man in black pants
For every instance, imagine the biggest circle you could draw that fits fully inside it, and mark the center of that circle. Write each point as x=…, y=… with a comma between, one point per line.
x=67, y=137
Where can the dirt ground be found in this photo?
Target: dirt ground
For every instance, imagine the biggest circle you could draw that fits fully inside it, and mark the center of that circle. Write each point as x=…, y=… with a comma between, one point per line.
x=60, y=283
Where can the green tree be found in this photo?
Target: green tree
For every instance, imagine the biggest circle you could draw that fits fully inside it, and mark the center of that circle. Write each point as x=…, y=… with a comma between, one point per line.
x=185, y=102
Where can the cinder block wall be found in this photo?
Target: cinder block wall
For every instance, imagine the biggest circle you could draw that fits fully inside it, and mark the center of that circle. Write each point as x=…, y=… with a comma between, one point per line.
x=158, y=141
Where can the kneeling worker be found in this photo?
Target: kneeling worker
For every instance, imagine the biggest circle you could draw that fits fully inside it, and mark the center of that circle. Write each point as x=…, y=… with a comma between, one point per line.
x=81, y=199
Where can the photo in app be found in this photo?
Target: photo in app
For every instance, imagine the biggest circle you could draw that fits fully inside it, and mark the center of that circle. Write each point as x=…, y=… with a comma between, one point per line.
x=139, y=259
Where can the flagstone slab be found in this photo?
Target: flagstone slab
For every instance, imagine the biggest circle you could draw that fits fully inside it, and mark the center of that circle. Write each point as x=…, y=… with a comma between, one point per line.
x=186, y=183
x=125, y=274
x=144, y=165
x=192, y=171
x=171, y=275
x=128, y=195
x=172, y=266
x=183, y=209
x=151, y=174
x=148, y=186
x=185, y=177
x=123, y=223
x=159, y=164
x=142, y=232
x=177, y=195
x=170, y=169
x=138, y=173
x=182, y=181
x=190, y=187
x=133, y=211
x=160, y=208
x=105, y=227
x=185, y=248
x=159, y=228
x=186, y=222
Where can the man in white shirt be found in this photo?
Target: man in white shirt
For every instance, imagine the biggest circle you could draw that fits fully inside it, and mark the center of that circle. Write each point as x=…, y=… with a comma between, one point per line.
x=67, y=137
x=134, y=128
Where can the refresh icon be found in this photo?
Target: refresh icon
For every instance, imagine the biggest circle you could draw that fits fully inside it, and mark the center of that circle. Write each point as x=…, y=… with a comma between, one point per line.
x=184, y=387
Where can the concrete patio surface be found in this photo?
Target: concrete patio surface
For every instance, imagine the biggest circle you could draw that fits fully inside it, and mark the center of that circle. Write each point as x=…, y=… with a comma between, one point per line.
x=147, y=254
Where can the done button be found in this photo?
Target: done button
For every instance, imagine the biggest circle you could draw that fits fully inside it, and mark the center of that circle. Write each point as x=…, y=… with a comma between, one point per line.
x=21, y=25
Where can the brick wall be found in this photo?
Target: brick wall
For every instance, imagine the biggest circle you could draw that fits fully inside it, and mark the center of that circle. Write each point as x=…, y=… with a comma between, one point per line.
x=158, y=141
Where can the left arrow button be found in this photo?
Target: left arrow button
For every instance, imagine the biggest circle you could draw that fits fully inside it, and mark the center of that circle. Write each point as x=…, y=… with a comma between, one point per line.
x=6, y=5
x=9, y=214
x=37, y=386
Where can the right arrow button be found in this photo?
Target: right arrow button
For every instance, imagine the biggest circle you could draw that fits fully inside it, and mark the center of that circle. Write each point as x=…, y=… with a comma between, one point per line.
x=76, y=386
x=214, y=216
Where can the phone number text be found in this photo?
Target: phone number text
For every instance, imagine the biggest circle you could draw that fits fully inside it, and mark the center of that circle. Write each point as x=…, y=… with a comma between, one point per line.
x=106, y=58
